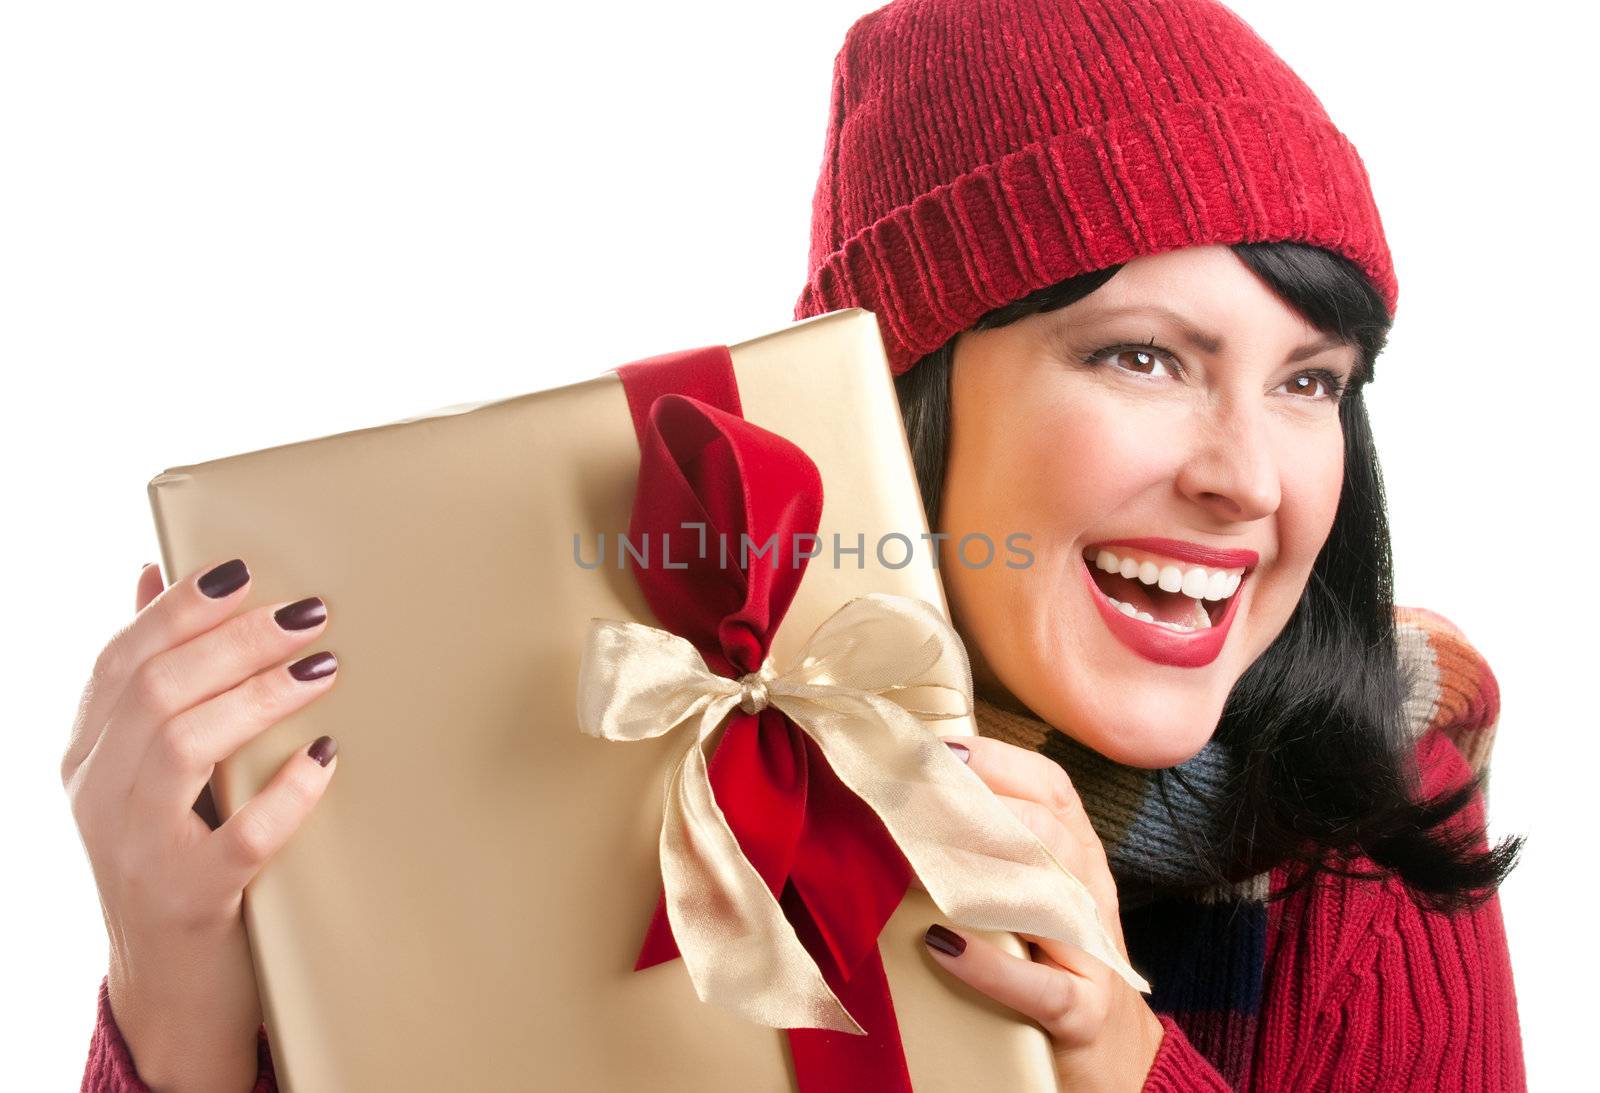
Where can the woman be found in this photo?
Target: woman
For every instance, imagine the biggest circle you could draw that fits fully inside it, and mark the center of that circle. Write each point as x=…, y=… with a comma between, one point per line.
x=1131, y=283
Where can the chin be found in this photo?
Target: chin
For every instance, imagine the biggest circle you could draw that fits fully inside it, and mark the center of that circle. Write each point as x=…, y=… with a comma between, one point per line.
x=1149, y=735
x=1117, y=681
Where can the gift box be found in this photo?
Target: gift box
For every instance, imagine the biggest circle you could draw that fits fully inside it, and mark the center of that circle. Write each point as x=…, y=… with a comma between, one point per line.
x=481, y=899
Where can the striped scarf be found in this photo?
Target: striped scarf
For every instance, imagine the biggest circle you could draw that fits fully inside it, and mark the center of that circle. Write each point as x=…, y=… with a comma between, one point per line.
x=1202, y=943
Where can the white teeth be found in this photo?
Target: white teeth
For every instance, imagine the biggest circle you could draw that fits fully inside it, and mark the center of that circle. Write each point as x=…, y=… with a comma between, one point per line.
x=1196, y=582
x=1202, y=620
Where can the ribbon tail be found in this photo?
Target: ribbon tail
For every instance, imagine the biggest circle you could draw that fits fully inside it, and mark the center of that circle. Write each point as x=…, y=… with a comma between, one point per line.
x=759, y=778
x=658, y=946
x=739, y=950
x=840, y=1063
x=848, y=874
x=977, y=861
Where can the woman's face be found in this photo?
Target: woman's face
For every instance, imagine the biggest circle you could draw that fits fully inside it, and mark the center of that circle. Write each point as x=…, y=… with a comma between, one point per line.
x=1222, y=437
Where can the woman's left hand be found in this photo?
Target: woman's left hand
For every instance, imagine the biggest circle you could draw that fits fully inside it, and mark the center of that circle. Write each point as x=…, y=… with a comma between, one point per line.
x=1105, y=1035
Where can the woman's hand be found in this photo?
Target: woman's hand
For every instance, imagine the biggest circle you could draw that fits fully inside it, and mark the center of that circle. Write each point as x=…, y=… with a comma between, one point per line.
x=173, y=693
x=1105, y=1034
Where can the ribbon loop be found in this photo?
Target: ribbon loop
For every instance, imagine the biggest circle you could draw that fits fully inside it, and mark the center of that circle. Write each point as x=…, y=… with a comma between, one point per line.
x=863, y=687
x=636, y=681
x=895, y=646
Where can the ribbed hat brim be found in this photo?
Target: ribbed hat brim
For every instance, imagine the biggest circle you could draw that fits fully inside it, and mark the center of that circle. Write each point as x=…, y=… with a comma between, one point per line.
x=1212, y=171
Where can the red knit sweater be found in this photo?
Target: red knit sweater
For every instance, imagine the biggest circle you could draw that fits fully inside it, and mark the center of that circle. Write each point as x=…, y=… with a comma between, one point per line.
x=1364, y=989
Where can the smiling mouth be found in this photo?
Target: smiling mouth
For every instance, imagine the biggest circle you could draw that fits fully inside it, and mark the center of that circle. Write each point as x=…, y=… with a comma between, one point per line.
x=1163, y=591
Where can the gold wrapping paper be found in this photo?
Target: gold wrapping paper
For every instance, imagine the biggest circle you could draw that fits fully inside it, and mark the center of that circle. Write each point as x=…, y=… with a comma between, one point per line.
x=464, y=907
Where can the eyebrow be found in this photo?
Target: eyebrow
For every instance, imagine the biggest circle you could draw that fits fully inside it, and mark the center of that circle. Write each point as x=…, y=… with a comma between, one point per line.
x=1211, y=343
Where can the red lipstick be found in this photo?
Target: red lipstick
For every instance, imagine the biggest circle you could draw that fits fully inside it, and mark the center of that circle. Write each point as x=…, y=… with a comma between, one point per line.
x=1195, y=649
x=1187, y=552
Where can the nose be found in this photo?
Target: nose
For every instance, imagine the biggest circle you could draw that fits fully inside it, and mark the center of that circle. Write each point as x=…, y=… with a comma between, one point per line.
x=1232, y=469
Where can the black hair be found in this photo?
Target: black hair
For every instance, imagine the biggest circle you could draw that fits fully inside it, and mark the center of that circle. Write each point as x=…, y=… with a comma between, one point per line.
x=1319, y=797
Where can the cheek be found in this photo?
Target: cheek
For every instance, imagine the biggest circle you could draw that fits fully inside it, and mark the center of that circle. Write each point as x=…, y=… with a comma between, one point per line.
x=1059, y=472
x=1056, y=473
x=1313, y=475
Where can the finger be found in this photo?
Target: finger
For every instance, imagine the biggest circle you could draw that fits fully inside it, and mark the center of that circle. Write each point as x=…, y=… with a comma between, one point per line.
x=1046, y=825
x=249, y=838
x=1075, y=959
x=167, y=619
x=1056, y=997
x=1085, y=861
x=1024, y=773
x=150, y=586
x=186, y=748
x=176, y=614
x=201, y=668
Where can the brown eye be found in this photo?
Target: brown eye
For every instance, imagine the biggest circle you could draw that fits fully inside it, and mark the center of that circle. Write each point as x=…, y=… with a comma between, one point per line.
x=1141, y=360
x=1316, y=385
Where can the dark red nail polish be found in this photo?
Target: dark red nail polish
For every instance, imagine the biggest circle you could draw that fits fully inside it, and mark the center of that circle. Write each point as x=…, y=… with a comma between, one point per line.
x=314, y=666
x=963, y=752
x=322, y=749
x=302, y=614
x=946, y=941
x=227, y=577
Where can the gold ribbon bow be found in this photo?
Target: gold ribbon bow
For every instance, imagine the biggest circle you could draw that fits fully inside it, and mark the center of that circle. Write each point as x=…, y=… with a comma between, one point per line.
x=851, y=690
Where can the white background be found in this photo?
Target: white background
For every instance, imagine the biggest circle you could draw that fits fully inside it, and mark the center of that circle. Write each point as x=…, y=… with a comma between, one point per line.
x=226, y=227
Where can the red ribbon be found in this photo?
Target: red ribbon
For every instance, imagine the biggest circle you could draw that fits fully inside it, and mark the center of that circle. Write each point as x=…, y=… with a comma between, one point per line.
x=824, y=854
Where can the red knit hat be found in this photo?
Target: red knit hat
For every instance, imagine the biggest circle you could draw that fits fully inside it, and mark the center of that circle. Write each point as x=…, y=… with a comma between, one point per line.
x=978, y=150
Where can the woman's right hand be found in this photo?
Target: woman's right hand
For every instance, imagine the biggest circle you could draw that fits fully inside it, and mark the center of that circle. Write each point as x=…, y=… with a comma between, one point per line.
x=174, y=692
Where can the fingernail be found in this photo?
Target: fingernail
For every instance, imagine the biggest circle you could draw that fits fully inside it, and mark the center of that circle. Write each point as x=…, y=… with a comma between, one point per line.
x=227, y=577
x=314, y=666
x=946, y=941
x=963, y=752
x=301, y=614
x=322, y=749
